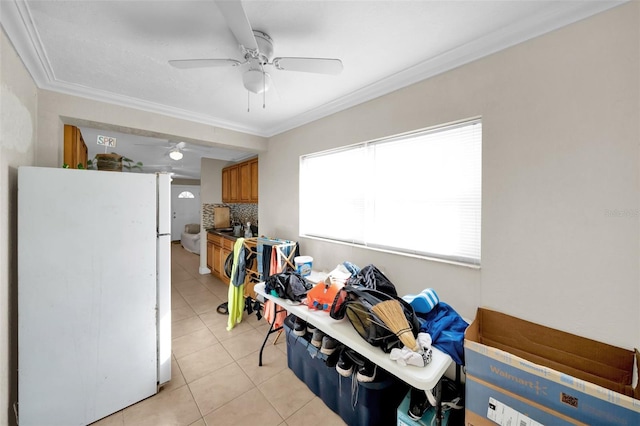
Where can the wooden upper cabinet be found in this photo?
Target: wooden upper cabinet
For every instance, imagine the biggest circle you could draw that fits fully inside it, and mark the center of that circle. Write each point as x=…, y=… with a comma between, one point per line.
x=226, y=187
x=234, y=192
x=75, y=150
x=240, y=182
x=253, y=166
x=230, y=191
x=245, y=182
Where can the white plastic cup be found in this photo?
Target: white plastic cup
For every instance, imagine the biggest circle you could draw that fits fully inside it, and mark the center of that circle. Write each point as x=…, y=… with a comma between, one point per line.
x=303, y=265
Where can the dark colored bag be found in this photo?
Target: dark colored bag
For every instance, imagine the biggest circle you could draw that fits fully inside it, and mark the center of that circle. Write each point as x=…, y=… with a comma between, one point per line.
x=288, y=285
x=371, y=277
x=357, y=302
x=248, y=261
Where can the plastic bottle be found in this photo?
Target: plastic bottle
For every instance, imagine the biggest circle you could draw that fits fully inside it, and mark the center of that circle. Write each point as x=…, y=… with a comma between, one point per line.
x=247, y=231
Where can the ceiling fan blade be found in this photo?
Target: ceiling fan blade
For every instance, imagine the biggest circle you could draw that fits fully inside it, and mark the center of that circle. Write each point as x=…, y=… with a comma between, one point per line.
x=200, y=63
x=238, y=22
x=146, y=145
x=314, y=65
x=159, y=167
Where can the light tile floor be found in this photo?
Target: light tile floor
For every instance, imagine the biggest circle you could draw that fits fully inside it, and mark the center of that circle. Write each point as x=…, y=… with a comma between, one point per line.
x=215, y=376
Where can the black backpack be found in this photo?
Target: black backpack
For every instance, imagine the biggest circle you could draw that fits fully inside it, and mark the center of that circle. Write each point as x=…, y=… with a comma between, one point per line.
x=371, y=277
x=288, y=285
x=356, y=304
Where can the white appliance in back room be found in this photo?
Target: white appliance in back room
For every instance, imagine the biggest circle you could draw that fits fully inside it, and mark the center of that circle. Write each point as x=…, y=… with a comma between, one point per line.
x=94, y=292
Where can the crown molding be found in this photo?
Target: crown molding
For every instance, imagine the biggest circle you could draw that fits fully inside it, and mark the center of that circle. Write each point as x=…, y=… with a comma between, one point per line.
x=139, y=104
x=535, y=25
x=18, y=24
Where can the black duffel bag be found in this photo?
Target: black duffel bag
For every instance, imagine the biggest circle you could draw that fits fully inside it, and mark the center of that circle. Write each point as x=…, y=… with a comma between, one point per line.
x=288, y=285
x=357, y=302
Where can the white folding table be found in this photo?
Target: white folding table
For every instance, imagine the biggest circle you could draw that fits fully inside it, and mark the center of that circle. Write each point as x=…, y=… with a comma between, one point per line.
x=426, y=378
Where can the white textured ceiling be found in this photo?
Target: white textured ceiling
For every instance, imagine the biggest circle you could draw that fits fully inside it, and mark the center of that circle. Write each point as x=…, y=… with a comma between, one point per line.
x=118, y=50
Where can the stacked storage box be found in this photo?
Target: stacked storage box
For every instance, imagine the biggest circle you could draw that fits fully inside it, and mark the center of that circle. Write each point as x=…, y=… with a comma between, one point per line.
x=519, y=372
x=371, y=404
x=427, y=418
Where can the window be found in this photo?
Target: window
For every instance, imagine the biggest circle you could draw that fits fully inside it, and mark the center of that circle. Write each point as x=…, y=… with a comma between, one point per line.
x=418, y=193
x=186, y=194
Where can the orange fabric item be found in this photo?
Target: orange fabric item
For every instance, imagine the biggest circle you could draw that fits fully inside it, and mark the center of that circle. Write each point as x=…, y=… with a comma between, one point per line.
x=277, y=319
x=321, y=296
x=276, y=266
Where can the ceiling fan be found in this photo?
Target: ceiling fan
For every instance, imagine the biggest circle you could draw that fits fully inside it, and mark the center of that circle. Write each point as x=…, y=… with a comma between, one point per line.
x=258, y=52
x=175, y=150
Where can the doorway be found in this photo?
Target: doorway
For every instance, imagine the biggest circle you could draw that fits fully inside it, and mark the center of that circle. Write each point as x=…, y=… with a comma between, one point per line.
x=185, y=208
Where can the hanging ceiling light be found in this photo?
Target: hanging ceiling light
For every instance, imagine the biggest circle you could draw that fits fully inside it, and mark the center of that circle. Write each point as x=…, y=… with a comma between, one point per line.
x=175, y=154
x=256, y=81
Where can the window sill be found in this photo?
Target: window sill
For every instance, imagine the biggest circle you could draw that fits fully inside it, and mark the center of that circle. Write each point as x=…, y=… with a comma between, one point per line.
x=399, y=253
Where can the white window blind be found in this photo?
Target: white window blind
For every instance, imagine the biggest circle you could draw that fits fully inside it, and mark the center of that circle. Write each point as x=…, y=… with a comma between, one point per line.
x=418, y=193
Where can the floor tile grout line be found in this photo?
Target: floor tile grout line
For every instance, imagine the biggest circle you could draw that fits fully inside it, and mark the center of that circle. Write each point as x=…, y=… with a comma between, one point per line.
x=274, y=407
x=263, y=395
x=254, y=325
x=217, y=342
x=196, y=402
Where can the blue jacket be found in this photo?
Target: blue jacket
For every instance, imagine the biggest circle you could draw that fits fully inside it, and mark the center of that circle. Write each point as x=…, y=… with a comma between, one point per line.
x=446, y=328
x=239, y=271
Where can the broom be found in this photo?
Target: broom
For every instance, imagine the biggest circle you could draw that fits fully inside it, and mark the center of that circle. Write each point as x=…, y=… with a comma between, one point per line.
x=392, y=314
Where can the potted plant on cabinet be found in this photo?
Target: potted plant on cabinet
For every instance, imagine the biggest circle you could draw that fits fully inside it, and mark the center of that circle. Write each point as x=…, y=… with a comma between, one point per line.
x=113, y=162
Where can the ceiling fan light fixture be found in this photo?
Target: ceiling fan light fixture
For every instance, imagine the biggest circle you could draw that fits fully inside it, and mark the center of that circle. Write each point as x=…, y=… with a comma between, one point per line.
x=256, y=81
x=175, y=154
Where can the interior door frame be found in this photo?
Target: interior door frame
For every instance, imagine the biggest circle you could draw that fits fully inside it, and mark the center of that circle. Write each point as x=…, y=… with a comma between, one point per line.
x=176, y=203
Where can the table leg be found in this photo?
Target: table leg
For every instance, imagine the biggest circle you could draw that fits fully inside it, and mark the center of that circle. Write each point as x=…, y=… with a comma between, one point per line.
x=264, y=342
x=437, y=391
x=269, y=331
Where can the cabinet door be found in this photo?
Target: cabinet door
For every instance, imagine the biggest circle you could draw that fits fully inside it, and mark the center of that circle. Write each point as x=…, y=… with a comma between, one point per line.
x=226, y=194
x=234, y=196
x=217, y=266
x=80, y=151
x=75, y=150
x=253, y=167
x=210, y=255
x=245, y=182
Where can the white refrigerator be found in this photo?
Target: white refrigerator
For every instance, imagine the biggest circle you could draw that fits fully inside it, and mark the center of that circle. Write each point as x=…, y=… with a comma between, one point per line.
x=94, y=292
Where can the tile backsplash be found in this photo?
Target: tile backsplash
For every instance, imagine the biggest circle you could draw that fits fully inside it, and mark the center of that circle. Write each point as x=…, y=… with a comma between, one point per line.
x=242, y=213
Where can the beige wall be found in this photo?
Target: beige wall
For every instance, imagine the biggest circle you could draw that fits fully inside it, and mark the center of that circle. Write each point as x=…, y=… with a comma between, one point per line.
x=560, y=150
x=56, y=109
x=185, y=182
x=560, y=120
x=210, y=193
x=18, y=112
x=27, y=112
x=211, y=178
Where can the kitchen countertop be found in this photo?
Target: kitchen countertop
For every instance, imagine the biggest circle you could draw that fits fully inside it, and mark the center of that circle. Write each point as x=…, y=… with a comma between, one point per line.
x=226, y=234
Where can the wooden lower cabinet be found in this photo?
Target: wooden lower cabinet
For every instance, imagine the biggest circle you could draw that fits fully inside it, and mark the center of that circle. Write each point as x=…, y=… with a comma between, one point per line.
x=209, y=254
x=217, y=260
x=214, y=254
x=218, y=249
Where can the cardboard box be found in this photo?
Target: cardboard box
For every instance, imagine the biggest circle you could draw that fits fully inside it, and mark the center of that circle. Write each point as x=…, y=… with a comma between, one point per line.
x=427, y=419
x=555, y=372
x=488, y=405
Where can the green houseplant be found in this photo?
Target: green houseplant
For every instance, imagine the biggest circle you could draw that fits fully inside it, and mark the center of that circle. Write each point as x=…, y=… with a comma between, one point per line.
x=113, y=162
